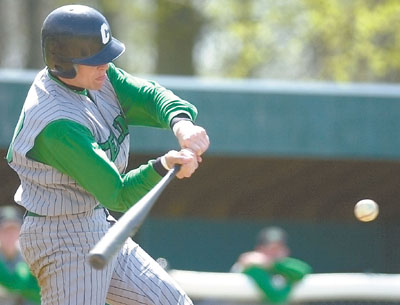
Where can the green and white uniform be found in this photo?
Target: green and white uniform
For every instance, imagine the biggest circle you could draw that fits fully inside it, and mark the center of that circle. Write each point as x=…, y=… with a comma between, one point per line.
x=70, y=150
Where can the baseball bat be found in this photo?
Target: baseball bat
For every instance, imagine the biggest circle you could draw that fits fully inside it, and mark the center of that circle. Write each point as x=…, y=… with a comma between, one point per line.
x=128, y=224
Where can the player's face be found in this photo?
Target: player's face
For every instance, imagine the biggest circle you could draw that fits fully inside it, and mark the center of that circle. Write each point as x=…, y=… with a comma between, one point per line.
x=276, y=250
x=89, y=77
x=9, y=233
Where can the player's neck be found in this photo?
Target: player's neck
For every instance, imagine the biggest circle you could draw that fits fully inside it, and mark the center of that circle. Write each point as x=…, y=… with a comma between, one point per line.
x=70, y=84
x=66, y=83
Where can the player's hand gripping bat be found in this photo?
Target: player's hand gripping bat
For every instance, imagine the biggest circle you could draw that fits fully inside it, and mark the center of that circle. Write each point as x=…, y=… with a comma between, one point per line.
x=128, y=224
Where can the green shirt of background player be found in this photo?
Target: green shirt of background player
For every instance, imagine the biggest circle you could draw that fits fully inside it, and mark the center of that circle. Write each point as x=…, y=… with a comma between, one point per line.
x=15, y=277
x=270, y=266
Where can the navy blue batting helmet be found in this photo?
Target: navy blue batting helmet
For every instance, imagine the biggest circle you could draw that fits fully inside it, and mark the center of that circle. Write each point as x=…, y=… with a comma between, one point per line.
x=77, y=34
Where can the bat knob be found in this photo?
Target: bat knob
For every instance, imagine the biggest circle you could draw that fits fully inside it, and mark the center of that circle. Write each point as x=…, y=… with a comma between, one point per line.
x=97, y=261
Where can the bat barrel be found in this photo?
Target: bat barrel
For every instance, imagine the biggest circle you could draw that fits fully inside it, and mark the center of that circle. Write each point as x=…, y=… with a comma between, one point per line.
x=97, y=261
x=111, y=242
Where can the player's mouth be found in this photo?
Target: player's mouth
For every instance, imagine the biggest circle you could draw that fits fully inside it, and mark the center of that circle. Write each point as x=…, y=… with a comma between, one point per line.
x=101, y=78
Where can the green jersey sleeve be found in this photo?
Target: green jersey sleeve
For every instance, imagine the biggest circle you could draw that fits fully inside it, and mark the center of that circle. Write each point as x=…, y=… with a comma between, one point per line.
x=146, y=103
x=71, y=148
x=293, y=269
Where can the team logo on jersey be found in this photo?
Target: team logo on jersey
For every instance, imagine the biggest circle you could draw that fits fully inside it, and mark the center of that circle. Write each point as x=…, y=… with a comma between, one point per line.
x=105, y=33
x=114, y=141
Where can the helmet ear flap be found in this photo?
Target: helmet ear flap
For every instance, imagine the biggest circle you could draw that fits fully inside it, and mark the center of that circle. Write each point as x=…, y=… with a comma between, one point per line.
x=65, y=70
x=59, y=65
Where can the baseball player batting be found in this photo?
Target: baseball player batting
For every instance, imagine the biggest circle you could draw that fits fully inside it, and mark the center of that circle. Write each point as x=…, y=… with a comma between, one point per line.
x=70, y=150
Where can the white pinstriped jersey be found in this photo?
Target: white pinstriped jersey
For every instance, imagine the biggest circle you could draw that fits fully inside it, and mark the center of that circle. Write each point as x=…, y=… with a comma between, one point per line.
x=44, y=190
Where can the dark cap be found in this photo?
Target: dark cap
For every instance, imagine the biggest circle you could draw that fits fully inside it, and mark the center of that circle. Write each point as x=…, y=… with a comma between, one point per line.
x=9, y=213
x=270, y=235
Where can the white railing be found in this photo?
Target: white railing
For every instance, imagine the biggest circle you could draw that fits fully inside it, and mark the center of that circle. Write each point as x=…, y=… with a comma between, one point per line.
x=313, y=288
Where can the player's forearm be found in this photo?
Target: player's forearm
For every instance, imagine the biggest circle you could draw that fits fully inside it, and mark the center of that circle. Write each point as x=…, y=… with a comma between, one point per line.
x=116, y=192
x=136, y=183
x=293, y=269
x=70, y=148
x=147, y=103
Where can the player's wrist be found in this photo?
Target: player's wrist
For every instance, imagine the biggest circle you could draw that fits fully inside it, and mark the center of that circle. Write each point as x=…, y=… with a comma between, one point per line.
x=179, y=118
x=164, y=163
x=159, y=167
x=181, y=124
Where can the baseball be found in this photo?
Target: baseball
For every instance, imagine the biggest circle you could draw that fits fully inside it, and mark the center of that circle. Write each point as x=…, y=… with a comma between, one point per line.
x=366, y=210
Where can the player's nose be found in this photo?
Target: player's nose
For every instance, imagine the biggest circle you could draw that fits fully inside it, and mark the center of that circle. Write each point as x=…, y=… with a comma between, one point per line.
x=103, y=67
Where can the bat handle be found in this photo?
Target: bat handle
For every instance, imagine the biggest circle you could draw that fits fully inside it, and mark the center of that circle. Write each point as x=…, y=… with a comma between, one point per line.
x=175, y=169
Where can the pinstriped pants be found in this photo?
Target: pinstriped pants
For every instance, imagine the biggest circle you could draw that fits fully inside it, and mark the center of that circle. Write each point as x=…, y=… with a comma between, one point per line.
x=56, y=250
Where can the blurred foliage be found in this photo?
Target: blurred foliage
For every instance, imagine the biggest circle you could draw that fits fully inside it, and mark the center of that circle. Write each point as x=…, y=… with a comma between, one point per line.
x=338, y=40
x=335, y=40
x=253, y=38
x=178, y=25
x=356, y=40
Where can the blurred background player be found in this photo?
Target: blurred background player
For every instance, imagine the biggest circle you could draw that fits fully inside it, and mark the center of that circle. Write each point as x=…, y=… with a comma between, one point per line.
x=270, y=266
x=271, y=245
x=20, y=286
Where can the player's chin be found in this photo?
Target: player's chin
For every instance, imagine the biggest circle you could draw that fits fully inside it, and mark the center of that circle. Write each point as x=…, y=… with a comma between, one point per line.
x=97, y=85
x=98, y=82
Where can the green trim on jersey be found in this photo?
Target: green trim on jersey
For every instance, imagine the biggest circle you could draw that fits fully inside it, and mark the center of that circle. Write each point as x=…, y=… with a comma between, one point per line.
x=147, y=103
x=71, y=148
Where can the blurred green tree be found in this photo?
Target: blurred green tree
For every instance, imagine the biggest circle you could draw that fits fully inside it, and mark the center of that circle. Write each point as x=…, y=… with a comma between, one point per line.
x=34, y=12
x=356, y=40
x=250, y=38
x=336, y=40
x=178, y=25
